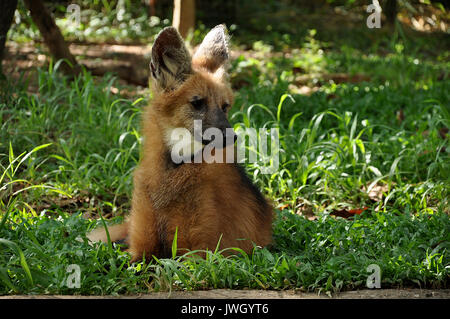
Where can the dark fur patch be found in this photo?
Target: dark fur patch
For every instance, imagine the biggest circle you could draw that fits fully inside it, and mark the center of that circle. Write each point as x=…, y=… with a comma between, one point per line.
x=264, y=207
x=169, y=163
x=165, y=250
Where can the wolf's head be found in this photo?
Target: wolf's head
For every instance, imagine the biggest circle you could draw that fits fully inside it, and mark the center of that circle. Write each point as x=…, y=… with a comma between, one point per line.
x=190, y=90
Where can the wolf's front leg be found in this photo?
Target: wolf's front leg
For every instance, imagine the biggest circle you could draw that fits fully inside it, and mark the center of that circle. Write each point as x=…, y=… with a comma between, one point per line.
x=143, y=231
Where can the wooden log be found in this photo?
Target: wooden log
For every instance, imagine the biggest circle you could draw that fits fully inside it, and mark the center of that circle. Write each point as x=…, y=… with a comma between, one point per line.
x=184, y=16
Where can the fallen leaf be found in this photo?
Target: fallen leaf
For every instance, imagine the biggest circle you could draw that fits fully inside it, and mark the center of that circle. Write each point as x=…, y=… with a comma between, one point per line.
x=307, y=212
x=443, y=132
x=331, y=96
x=114, y=90
x=344, y=213
x=376, y=192
x=297, y=70
x=304, y=89
x=357, y=211
x=400, y=116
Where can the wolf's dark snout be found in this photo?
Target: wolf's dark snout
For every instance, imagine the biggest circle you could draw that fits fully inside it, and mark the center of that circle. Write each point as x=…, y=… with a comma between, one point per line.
x=226, y=136
x=229, y=136
x=219, y=119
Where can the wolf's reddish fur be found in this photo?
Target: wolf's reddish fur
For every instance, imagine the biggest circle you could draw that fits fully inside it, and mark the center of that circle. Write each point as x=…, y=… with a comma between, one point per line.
x=203, y=202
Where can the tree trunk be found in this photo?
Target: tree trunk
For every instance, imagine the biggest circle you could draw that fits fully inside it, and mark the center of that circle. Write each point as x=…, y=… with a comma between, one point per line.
x=52, y=36
x=151, y=8
x=7, y=8
x=184, y=16
x=390, y=10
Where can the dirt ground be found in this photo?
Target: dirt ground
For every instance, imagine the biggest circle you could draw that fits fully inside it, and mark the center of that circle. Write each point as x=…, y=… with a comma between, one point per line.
x=263, y=294
x=129, y=63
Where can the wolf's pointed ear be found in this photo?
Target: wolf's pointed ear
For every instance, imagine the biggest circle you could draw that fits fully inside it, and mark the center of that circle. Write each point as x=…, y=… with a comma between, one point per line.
x=213, y=53
x=171, y=62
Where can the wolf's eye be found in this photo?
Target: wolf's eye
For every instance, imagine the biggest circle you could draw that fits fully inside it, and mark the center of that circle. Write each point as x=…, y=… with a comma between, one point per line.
x=225, y=107
x=198, y=103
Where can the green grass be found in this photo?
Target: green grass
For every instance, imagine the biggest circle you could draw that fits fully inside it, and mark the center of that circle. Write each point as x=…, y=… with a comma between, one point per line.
x=67, y=154
x=327, y=255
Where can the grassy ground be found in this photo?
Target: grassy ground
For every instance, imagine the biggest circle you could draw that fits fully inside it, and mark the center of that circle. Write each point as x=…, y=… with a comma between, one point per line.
x=371, y=135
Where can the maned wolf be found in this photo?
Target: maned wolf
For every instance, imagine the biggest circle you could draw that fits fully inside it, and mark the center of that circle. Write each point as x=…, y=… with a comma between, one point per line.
x=205, y=203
